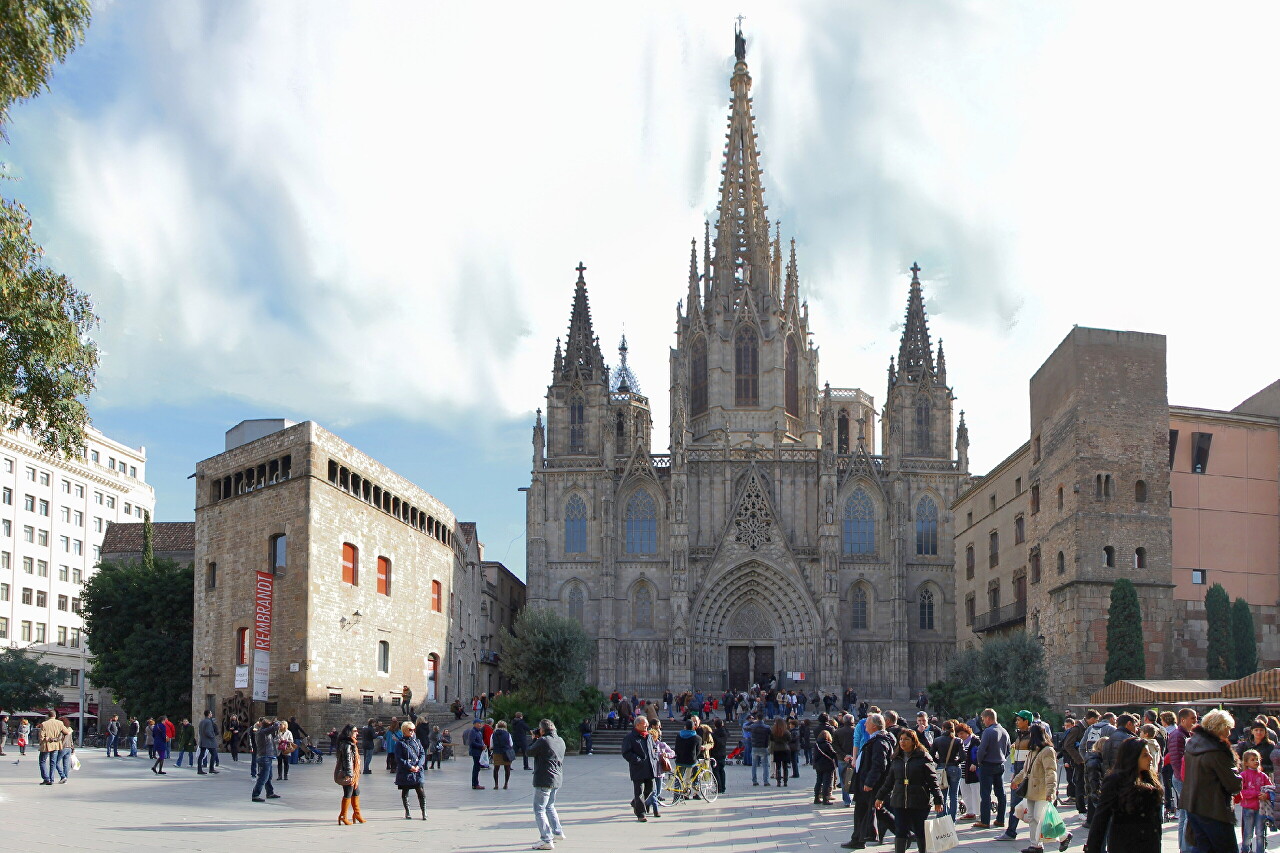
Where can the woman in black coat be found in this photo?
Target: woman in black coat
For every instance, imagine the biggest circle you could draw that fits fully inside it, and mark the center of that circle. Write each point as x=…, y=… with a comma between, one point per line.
x=909, y=788
x=641, y=755
x=824, y=764
x=1128, y=814
x=411, y=764
x=719, y=748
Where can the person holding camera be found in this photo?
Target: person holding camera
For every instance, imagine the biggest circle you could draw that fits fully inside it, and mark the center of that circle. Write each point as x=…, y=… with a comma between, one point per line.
x=264, y=745
x=547, y=753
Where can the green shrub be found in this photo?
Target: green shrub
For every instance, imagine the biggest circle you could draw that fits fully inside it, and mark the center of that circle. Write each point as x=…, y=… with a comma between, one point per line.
x=566, y=715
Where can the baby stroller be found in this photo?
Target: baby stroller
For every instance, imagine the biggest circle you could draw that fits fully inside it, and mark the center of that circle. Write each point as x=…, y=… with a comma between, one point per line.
x=735, y=755
x=308, y=754
x=1267, y=806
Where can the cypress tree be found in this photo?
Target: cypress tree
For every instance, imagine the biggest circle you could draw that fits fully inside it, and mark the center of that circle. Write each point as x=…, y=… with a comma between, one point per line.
x=1244, y=648
x=148, y=544
x=1126, y=657
x=1217, y=608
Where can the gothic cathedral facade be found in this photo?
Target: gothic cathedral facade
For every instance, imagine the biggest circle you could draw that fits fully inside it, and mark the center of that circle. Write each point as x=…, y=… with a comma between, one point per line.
x=772, y=539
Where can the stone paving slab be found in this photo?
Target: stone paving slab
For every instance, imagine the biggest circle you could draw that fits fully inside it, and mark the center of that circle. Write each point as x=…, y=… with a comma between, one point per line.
x=118, y=805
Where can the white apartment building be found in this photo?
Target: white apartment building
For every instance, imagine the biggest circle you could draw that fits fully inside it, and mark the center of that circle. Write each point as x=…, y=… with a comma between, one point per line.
x=53, y=513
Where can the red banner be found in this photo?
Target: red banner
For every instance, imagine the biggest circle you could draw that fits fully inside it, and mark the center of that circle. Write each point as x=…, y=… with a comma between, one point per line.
x=262, y=612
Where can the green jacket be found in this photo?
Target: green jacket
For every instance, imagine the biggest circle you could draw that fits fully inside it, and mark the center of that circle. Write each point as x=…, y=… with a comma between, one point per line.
x=186, y=739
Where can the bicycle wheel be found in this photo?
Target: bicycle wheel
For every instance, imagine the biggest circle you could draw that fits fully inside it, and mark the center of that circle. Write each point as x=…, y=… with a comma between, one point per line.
x=668, y=796
x=707, y=786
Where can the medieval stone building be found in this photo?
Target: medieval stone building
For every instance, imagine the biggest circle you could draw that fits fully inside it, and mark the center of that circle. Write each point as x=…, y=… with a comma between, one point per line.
x=773, y=538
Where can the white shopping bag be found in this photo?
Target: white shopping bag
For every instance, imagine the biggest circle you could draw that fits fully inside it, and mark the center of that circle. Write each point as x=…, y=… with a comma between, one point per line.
x=75, y=762
x=939, y=834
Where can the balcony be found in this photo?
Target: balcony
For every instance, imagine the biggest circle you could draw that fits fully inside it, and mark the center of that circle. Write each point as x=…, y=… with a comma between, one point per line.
x=1001, y=617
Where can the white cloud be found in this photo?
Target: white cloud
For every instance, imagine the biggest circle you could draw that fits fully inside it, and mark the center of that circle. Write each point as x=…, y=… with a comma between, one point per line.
x=355, y=209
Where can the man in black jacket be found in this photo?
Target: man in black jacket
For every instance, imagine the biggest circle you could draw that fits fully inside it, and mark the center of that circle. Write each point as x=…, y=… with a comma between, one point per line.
x=641, y=755
x=842, y=739
x=520, y=734
x=873, y=763
x=1075, y=762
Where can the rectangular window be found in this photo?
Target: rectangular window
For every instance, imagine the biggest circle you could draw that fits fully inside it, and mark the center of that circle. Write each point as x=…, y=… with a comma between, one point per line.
x=1017, y=485
x=111, y=462
x=76, y=636
x=97, y=525
x=335, y=698
x=4, y=592
x=128, y=509
x=1019, y=530
x=63, y=573
x=42, y=537
x=6, y=528
x=8, y=466
x=279, y=556
x=4, y=628
x=79, y=491
x=66, y=487
x=350, y=563
x=1035, y=565
x=993, y=549
x=66, y=544
x=42, y=598
x=992, y=501
x=29, y=503
x=75, y=605
x=968, y=562
x=1199, y=576
x=42, y=628
x=26, y=630
x=384, y=576
x=242, y=646
x=1035, y=498
x=7, y=496
x=79, y=519
x=63, y=602
x=77, y=547
x=97, y=498
x=31, y=474
x=44, y=478
x=133, y=471
x=44, y=508
x=111, y=502
x=77, y=576
x=969, y=609
x=1200, y=442
x=62, y=635
x=1173, y=446
x=66, y=514
x=437, y=597
x=26, y=595
x=93, y=456
x=4, y=560
x=42, y=568
x=29, y=565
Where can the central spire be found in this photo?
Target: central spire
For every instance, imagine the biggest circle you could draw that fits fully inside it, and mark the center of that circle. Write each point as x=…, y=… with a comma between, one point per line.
x=582, y=356
x=915, y=354
x=742, y=230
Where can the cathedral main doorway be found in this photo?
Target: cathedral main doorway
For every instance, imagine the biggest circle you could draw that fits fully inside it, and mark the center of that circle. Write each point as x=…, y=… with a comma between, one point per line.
x=750, y=664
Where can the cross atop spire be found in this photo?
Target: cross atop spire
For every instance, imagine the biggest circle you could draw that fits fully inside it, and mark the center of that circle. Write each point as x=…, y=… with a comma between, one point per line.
x=915, y=354
x=582, y=356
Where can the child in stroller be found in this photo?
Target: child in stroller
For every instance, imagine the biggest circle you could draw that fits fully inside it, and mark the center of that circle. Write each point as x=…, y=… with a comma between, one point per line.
x=308, y=754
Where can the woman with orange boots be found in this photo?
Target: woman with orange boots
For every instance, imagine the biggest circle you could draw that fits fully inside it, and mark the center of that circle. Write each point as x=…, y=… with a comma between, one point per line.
x=346, y=772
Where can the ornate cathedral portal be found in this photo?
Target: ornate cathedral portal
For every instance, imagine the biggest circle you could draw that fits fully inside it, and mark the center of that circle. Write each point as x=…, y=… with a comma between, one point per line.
x=778, y=539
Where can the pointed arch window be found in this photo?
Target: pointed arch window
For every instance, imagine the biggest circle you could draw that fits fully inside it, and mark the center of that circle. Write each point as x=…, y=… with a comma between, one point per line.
x=746, y=359
x=842, y=431
x=927, y=528
x=858, y=607
x=577, y=424
x=859, y=524
x=641, y=524
x=698, y=376
x=577, y=603
x=926, y=610
x=642, y=609
x=620, y=430
x=924, y=427
x=793, y=378
x=575, y=526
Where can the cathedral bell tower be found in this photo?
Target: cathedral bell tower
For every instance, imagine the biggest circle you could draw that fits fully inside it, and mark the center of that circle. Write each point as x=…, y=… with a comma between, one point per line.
x=578, y=397
x=917, y=415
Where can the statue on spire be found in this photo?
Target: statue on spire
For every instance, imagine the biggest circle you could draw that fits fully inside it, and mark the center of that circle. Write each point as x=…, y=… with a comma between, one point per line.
x=739, y=41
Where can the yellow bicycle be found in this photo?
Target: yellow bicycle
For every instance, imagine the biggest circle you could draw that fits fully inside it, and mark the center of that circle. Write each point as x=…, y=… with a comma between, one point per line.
x=690, y=783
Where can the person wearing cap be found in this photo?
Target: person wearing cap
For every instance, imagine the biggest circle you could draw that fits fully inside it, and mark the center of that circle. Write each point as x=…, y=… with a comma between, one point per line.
x=1020, y=753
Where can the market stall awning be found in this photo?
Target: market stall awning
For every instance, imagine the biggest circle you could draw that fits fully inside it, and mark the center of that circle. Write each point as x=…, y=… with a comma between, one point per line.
x=1264, y=684
x=1153, y=693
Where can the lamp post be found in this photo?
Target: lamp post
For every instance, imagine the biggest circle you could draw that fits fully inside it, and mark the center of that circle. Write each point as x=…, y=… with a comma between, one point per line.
x=80, y=740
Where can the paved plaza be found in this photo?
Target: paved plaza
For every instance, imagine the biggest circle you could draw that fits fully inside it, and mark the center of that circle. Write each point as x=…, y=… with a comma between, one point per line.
x=119, y=805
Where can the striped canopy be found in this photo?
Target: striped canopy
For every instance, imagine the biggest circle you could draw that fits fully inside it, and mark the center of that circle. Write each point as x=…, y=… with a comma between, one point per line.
x=1264, y=684
x=1150, y=693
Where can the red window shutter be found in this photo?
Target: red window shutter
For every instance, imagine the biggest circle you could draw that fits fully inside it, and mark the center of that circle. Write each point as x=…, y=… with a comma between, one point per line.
x=435, y=596
x=350, y=565
x=384, y=576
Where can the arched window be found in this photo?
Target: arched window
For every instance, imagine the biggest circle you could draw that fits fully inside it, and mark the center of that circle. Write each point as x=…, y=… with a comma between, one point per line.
x=842, y=431
x=577, y=424
x=926, y=610
x=350, y=563
x=575, y=526
x=1109, y=554
x=927, y=528
x=746, y=359
x=1140, y=491
x=924, y=427
x=642, y=609
x=384, y=576
x=242, y=646
x=577, y=603
x=620, y=429
x=384, y=657
x=858, y=607
x=859, y=524
x=1060, y=497
x=642, y=524
x=792, y=380
x=1140, y=558
x=698, y=376
x=1062, y=563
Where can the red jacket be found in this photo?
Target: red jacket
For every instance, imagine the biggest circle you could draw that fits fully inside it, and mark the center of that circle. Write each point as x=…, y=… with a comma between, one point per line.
x=170, y=730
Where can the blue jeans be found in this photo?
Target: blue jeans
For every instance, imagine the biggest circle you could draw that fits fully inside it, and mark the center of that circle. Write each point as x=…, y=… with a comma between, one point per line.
x=746, y=749
x=760, y=759
x=48, y=765
x=368, y=758
x=1182, y=816
x=264, y=775
x=191, y=758
x=951, y=795
x=1253, y=831
x=64, y=762
x=586, y=740
x=113, y=745
x=1212, y=836
x=133, y=747
x=991, y=780
x=475, y=768
x=544, y=812
x=1014, y=799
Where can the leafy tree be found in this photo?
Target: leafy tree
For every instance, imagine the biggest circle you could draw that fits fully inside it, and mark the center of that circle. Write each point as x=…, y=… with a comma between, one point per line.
x=546, y=655
x=1244, y=647
x=47, y=362
x=140, y=623
x=1126, y=657
x=1217, y=607
x=26, y=684
x=1004, y=672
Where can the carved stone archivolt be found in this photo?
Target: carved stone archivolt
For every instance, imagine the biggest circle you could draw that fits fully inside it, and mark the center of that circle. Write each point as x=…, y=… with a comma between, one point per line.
x=750, y=622
x=726, y=603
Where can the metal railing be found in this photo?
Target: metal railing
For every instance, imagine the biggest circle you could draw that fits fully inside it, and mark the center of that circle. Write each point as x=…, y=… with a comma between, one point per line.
x=1001, y=617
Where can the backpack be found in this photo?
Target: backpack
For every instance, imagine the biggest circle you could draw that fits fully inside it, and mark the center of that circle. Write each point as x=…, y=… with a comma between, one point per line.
x=1092, y=735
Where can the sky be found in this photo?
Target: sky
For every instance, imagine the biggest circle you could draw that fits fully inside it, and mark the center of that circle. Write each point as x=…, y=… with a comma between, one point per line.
x=369, y=214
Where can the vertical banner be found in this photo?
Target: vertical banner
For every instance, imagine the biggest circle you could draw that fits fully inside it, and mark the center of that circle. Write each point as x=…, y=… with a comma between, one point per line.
x=262, y=592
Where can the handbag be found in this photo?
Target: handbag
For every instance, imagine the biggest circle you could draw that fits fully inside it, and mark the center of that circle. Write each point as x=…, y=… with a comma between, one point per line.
x=939, y=834
x=22, y=742
x=664, y=764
